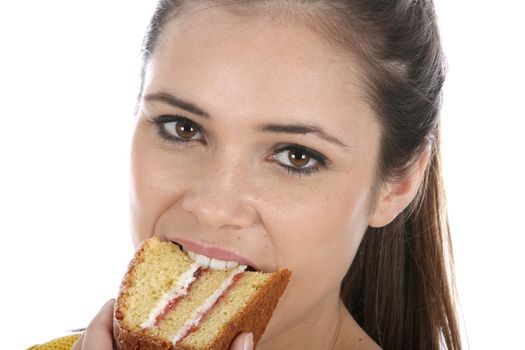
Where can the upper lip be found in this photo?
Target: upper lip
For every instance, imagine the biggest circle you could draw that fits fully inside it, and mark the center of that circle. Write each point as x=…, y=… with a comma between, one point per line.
x=214, y=251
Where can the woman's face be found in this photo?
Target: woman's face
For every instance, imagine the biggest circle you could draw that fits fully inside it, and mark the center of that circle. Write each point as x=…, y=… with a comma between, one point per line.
x=254, y=143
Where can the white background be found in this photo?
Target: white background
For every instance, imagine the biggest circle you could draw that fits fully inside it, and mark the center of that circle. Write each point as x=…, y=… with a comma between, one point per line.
x=69, y=74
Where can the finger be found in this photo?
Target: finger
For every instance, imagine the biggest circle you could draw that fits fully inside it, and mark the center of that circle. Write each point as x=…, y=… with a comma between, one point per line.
x=78, y=343
x=243, y=341
x=98, y=335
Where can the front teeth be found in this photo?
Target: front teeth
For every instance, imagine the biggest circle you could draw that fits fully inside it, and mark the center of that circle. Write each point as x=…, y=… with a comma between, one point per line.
x=214, y=264
x=219, y=264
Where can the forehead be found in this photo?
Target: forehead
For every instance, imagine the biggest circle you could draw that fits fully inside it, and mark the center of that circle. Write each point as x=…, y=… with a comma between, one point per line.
x=260, y=64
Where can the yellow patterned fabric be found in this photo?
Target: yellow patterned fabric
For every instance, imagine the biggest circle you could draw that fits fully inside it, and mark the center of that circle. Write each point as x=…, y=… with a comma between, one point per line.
x=65, y=343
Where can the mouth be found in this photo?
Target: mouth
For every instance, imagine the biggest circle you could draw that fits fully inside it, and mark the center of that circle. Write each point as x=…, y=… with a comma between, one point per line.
x=210, y=258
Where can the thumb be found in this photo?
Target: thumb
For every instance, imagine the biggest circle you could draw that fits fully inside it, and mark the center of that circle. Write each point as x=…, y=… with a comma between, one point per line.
x=243, y=341
x=98, y=335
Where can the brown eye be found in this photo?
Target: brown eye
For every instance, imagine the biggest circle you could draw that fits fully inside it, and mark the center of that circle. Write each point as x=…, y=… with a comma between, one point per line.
x=185, y=130
x=298, y=158
x=178, y=129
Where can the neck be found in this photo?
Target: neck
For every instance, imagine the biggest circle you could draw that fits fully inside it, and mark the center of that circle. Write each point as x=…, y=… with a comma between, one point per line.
x=319, y=330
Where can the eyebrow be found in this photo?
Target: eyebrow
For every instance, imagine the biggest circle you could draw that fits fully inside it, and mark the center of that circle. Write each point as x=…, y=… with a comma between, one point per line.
x=298, y=128
x=302, y=129
x=170, y=99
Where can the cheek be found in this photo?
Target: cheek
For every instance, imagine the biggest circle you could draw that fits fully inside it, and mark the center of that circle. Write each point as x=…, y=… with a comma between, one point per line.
x=157, y=180
x=320, y=231
x=141, y=192
x=316, y=235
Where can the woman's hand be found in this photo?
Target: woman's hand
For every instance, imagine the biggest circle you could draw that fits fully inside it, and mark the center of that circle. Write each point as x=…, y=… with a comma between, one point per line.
x=99, y=334
x=243, y=341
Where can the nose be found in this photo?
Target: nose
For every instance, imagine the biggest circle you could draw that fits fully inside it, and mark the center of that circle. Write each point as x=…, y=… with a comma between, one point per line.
x=220, y=198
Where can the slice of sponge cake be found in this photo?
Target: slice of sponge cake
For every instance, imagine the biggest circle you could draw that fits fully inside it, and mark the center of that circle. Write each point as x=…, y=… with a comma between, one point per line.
x=167, y=301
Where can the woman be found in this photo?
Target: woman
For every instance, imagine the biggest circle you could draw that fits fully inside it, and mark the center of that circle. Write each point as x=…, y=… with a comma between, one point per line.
x=301, y=134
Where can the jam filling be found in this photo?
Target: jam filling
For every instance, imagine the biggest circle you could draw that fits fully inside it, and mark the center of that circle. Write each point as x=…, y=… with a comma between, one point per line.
x=201, y=317
x=177, y=298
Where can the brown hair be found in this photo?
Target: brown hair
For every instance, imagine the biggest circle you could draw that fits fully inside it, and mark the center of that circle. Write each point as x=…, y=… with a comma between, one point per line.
x=400, y=286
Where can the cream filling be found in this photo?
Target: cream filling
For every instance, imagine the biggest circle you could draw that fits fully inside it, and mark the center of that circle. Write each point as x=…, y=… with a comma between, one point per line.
x=178, y=291
x=203, y=309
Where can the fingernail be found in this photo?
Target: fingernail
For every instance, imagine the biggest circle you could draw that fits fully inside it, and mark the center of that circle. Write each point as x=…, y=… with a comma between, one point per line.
x=247, y=344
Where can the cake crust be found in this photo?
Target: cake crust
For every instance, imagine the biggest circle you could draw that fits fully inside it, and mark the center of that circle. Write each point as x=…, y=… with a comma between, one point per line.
x=126, y=339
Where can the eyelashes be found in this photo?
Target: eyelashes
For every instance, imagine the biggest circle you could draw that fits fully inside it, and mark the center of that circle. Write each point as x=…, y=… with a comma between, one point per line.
x=177, y=129
x=295, y=159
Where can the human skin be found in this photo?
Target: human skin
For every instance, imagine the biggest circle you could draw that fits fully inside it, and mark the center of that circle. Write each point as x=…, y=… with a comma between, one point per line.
x=226, y=186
